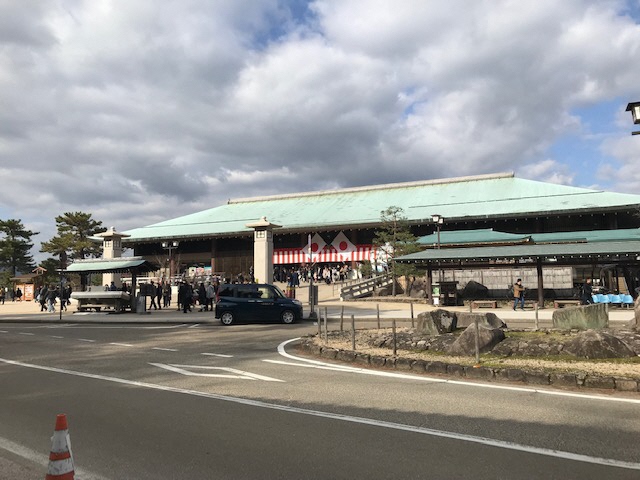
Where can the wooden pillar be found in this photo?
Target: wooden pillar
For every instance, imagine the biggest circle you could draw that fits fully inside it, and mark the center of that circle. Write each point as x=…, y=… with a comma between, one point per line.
x=540, y=284
x=134, y=281
x=429, y=285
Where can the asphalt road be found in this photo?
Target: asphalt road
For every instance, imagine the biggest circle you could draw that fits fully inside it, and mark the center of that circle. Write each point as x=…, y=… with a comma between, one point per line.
x=207, y=401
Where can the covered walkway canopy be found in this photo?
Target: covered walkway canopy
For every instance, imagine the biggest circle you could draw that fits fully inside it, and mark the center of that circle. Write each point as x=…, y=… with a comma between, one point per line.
x=132, y=265
x=112, y=265
x=618, y=248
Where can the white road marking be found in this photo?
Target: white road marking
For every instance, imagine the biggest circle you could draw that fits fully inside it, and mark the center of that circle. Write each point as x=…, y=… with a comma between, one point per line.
x=193, y=326
x=363, y=371
x=336, y=368
x=347, y=418
x=86, y=340
x=238, y=374
x=165, y=349
x=121, y=344
x=217, y=355
x=55, y=336
x=166, y=326
x=3, y=331
x=25, y=333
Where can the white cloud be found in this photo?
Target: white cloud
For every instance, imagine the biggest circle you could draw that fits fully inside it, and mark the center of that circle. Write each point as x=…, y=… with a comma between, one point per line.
x=137, y=112
x=547, y=171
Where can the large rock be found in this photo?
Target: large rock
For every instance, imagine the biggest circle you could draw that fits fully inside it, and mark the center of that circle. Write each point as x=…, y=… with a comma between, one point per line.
x=475, y=290
x=487, y=319
x=582, y=318
x=465, y=344
x=435, y=322
x=635, y=321
x=594, y=344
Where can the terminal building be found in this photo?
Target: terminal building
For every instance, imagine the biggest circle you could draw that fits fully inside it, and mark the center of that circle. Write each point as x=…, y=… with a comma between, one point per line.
x=342, y=223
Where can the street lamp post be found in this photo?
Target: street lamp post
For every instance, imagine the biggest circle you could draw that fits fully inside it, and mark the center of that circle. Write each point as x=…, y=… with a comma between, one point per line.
x=634, y=108
x=171, y=246
x=438, y=220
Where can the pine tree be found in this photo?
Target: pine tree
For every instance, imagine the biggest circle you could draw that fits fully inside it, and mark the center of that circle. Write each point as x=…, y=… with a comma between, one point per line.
x=15, y=247
x=73, y=240
x=395, y=239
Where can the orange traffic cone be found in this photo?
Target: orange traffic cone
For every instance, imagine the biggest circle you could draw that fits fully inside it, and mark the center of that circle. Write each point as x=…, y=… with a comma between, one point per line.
x=60, y=458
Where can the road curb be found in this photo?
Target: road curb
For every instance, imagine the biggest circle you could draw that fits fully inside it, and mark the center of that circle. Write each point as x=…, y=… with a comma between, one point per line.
x=580, y=380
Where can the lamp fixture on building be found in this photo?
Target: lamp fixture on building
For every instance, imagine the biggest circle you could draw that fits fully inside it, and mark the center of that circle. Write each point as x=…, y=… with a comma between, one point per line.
x=634, y=108
x=171, y=246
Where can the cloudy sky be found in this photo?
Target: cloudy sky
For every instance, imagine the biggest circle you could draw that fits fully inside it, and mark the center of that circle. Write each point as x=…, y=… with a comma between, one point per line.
x=139, y=111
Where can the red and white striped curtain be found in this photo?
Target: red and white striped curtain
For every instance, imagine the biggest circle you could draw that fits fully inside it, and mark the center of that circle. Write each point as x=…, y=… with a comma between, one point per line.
x=283, y=256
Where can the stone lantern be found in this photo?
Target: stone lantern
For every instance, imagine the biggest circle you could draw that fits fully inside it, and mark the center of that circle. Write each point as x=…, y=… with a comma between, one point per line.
x=112, y=248
x=263, y=249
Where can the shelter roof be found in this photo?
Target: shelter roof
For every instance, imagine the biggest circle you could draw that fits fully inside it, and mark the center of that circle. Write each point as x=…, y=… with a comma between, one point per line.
x=549, y=253
x=111, y=265
x=474, y=237
x=489, y=236
x=465, y=198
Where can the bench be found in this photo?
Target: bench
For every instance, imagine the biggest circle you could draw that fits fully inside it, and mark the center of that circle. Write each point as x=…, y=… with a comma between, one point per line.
x=563, y=303
x=484, y=303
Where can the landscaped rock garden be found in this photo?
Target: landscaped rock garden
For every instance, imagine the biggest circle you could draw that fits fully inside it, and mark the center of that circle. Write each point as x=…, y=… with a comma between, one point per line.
x=598, y=358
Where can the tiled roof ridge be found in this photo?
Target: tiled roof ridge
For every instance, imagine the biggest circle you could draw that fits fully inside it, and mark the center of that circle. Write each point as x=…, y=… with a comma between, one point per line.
x=387, y=186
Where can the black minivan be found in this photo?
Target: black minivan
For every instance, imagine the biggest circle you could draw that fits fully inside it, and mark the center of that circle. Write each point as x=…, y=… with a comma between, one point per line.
x=255, y=301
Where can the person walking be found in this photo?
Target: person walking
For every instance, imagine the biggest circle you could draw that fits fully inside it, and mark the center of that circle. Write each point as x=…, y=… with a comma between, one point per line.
x=3, y=294
x=151, y=291
x=211, y=295
x=42, y=298
x=51, y=296
x=587, y=291
x=202, y=297
x=158, y=294
x=518, y=294
x=185, y=292
x=166, y=295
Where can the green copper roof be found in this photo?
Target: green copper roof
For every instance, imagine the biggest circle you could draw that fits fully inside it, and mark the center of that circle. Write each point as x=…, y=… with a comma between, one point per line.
x=559, y=253
x=124, y=264
x=467, y=198
x=490, y=236
x=476, y=237
x=588, y=236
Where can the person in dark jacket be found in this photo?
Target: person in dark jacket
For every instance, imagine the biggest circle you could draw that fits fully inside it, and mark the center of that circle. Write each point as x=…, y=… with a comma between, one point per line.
x=51, y=296
x=185, y=294
x=587, y=291
x=202, y=297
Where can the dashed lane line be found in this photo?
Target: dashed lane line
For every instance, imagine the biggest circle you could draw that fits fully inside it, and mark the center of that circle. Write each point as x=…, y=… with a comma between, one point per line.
x=165, y=349
x=25, y=333
x=86, y=340
x=121, y=344
x=217, y=355
x=55, y=336
x=577, y=457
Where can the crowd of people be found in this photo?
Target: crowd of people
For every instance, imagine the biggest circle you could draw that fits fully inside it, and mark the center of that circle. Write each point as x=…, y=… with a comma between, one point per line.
x=47, y=297
x=320, y=273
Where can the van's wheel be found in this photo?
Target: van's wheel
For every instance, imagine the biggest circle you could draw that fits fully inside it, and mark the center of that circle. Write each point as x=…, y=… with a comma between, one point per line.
x=287, y=317
x=227, y=318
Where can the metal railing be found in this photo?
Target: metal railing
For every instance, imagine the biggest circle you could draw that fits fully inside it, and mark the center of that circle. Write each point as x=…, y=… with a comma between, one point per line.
x=365, y=288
